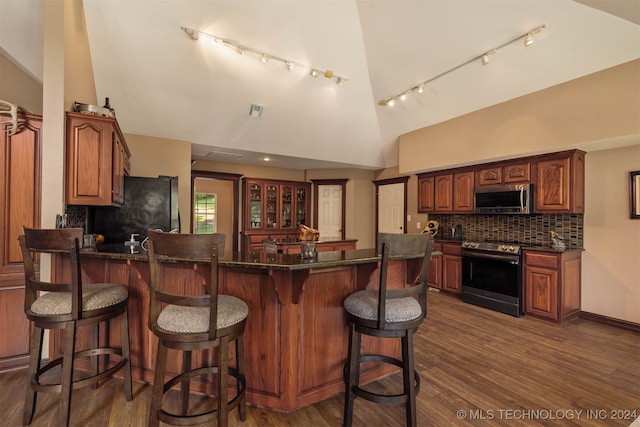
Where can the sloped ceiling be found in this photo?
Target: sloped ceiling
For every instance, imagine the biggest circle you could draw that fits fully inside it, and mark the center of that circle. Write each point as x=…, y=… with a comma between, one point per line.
x=162, y=83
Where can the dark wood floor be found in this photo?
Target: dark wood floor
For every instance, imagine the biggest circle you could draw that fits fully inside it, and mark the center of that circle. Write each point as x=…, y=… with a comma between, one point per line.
x=478, y=367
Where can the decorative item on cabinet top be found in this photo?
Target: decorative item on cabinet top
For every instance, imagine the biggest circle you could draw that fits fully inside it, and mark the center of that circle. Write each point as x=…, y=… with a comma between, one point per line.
x=105, y=111
x=11, y=110
x=307, y=233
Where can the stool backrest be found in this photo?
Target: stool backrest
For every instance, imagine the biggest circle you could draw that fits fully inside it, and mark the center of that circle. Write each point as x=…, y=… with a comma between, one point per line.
x=35, y=241
x=403, y=244
x=203, y=248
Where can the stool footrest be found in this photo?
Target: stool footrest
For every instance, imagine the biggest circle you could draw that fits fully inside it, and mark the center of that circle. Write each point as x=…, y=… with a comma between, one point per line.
x=387, y=399
x=203, y=417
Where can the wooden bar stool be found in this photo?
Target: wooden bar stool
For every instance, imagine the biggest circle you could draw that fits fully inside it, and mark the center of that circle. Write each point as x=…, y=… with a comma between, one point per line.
x=194, y=322
x=388, y=313
x=67, y=306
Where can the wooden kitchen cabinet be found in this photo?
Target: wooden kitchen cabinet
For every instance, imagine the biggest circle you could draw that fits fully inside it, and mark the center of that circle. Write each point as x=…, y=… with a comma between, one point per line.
x=426, y=192
x=435, y=268
x=552, y=284
x=20, y=193
x=452, y=267
x=463, y=198
x=273, y=210
x=97, y=159
x=446, y=193
x=559, y=186
x=508, y=173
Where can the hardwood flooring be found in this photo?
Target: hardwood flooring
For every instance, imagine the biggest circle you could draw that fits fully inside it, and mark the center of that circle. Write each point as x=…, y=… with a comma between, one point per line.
x=478, y=367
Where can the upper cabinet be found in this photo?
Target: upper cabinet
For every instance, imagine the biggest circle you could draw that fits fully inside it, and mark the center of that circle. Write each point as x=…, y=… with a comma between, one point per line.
x=559, y=186
x=509, y=173
x=557, y=178
x=446, y=193
x=97, y=161
x=273, y=210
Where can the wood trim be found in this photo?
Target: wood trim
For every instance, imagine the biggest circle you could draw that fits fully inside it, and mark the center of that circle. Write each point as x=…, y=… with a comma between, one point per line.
x=316, y=183
x=398, y=180
x=236, y=198
x=618, y=323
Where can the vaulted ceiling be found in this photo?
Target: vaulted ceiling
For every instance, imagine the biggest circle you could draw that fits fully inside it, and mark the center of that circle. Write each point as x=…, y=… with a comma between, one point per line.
x=163, y=83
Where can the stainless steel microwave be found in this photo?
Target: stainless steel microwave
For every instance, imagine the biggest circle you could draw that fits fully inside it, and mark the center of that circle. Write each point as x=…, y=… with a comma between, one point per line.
x=504, y=199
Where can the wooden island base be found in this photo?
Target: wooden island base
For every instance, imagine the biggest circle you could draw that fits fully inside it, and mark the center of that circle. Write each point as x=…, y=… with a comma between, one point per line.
x=296, y=334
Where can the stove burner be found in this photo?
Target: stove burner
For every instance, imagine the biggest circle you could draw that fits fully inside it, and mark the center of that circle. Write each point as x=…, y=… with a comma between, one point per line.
x=509, y=248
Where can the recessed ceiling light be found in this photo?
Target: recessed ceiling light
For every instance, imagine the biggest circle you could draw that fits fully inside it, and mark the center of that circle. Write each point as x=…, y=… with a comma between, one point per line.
x=266, y=158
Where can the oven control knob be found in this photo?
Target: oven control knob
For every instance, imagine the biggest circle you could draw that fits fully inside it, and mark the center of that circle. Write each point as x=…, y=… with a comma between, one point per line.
x=511, y=248
x=503, y=247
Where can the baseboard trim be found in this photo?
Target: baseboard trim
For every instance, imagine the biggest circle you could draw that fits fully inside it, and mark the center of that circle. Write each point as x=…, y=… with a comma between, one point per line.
x=624, y=324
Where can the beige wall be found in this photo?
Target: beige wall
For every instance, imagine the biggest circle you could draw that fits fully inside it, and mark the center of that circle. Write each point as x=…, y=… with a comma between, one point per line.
x=611, y=261
x=601, y=106
x=17, y=87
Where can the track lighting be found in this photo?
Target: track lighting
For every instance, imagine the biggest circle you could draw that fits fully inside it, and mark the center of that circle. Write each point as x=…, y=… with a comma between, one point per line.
x=484, y=59
x=528, y=41
x=263, y=56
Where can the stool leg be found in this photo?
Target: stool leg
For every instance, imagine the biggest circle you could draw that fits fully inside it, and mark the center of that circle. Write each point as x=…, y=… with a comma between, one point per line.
x=184, y=386
x=126, y=353
x=409, y=382
x=352, y=374
x=67, y=373
x=34, y=365
x=95, y=360
x=242, y=405
x=158, y=385
x=223, y=386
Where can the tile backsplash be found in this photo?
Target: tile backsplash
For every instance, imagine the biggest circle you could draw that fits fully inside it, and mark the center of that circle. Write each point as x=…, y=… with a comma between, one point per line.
x=530, y=230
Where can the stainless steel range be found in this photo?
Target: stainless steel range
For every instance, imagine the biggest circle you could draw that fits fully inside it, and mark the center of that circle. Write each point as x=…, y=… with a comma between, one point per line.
x=492, y=276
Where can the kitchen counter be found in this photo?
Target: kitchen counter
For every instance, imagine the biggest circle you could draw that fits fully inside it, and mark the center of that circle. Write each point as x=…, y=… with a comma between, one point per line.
x=296, y=333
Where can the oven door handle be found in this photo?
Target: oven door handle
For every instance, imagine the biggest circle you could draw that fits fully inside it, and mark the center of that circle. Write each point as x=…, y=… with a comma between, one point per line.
x=512, y=259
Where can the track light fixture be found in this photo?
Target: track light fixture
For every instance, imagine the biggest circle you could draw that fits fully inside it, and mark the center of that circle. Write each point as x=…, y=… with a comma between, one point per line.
x=484, y=59
x=263, y=56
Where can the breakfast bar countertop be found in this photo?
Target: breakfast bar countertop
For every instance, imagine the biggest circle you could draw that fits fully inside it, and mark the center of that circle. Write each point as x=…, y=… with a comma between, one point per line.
x=256, y=260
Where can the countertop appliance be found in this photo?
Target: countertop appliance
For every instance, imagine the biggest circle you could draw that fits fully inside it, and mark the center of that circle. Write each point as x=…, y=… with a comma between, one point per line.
x=492, y=276
x=148, y=203
x=504, y=199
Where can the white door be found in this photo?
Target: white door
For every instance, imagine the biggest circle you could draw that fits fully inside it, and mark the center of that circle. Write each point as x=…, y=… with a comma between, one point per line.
x=391, y=208
x=330, y=212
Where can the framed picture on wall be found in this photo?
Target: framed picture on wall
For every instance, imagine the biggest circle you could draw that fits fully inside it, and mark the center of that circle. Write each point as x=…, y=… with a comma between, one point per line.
x=635, y=194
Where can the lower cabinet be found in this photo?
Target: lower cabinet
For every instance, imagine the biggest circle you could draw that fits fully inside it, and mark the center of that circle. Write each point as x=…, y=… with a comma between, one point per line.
x=552, y=284
x=452, y=267
x=435, y=269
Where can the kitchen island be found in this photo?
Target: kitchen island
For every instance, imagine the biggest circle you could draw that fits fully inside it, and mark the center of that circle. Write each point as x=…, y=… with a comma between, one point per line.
x=296, y=334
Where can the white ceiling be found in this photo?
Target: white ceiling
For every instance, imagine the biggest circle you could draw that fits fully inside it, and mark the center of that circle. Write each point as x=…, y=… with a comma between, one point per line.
x=162, y=83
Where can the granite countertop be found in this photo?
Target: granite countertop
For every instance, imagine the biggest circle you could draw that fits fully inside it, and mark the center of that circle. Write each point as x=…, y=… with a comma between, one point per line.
x=523, y=246
x=254, y=260
x=297, y=242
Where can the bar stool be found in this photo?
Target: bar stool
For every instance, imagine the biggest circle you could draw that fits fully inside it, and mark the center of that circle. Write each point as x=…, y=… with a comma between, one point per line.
x=194, y=322
x=388, y=313
x=67, y=306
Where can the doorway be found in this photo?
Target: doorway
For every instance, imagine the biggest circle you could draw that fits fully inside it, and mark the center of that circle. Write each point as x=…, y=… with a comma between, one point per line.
x=214, y=205
x=391, y=201
x=329, y=208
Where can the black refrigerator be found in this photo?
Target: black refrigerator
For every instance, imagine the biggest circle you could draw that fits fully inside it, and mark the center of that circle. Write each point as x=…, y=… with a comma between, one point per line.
x=148, y=203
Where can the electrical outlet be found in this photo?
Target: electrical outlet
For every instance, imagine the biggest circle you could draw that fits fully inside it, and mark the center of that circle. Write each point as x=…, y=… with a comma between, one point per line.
x=408, y=218
x=418, y=225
